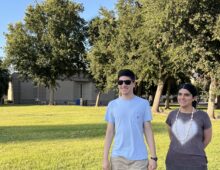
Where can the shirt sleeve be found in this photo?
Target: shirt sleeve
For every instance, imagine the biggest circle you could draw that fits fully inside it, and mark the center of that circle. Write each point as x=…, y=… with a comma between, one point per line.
x=207, y=122
x=168, y=120
x=148, y=113
x=109, y=117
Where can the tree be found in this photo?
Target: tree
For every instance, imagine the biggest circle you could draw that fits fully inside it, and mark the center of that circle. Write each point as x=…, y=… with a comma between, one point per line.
x=4, y=79
x=169, y=61
x=49, y=45
x=118, y=44
x=101, y=31
x=217, y=37
x=195, y=30
x=139, y=42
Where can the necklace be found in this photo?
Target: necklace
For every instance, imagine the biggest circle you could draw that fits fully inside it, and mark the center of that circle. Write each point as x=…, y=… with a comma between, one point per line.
x=190, y=125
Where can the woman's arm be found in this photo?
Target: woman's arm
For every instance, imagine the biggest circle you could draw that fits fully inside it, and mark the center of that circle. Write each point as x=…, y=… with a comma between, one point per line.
x=207, y=136
x=169, y=131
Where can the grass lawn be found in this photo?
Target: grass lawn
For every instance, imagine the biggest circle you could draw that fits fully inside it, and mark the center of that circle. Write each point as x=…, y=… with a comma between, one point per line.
x=70, y=137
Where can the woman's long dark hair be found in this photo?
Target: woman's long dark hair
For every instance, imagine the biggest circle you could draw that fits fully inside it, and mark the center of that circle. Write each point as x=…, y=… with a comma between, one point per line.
x=192, y=89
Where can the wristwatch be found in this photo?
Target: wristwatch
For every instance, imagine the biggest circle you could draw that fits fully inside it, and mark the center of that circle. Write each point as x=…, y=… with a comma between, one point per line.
x=154, y=158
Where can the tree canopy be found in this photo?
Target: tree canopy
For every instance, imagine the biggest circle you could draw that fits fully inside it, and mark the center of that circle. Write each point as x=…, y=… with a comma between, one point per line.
x=196, y=29
x=141, y=40
x=50, y=44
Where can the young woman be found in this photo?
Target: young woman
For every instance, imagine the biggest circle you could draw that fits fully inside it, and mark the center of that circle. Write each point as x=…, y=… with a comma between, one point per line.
x=189, y=131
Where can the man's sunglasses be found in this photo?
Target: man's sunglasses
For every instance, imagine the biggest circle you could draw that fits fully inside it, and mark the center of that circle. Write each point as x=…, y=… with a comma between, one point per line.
x=127, y=82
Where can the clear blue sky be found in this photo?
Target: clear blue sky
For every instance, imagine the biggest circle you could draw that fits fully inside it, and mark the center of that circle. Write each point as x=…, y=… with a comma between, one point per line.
x=12, y=11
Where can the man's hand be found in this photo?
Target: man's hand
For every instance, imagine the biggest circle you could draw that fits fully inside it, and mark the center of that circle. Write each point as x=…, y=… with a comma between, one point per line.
x=152, y=164
x=106, y=165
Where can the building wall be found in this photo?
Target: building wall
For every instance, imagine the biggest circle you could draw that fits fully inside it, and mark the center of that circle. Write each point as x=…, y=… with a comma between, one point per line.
x=27, y=92
x=104, y=98
x=64, y=92
x=68, y=92
x=15, y=88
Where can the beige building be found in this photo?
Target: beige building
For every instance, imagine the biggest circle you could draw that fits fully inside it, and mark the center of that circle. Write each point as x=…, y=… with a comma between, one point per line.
x=77, y=90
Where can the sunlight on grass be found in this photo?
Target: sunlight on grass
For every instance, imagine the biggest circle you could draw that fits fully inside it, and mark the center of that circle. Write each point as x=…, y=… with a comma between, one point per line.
x=69, y=137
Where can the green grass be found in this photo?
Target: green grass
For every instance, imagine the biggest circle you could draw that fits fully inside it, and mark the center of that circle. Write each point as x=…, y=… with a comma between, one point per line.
x=69, y=137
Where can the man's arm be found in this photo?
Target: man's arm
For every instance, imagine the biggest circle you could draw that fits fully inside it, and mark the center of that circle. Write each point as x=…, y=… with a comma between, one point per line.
x=151, y=144
x=108, y=141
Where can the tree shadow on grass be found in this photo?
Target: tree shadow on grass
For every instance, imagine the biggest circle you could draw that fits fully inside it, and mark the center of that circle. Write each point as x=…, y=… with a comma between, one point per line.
x=20, y=105
x=55, y=132
x=50, y=132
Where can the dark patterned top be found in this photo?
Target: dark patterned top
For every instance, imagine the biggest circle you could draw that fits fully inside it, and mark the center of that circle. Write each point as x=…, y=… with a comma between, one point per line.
x=187, y=147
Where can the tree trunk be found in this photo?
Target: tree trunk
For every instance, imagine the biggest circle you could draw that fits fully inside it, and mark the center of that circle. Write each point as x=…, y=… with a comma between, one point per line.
x=211, y=102
x=218, y=102
x=167, y=102
x=156, y=103
x=97, y=99
x=51, y=99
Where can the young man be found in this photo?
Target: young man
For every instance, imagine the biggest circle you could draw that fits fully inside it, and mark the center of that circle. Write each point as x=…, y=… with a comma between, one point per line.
x=128, y=120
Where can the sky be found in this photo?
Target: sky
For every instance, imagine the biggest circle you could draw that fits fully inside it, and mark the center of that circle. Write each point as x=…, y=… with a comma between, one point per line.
x=12, y=11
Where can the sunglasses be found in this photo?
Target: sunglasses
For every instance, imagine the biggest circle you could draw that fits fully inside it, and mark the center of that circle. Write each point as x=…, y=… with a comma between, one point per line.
x=127, y=82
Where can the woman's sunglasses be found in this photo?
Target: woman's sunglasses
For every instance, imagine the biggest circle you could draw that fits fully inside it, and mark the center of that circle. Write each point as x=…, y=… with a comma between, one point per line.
x=127, y=82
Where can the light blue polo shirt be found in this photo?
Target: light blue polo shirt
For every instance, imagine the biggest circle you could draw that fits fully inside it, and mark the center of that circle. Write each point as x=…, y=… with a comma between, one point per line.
x=128, y=117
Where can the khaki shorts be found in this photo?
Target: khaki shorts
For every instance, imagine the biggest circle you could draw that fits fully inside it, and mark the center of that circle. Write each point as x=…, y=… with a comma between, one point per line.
x=120, y=163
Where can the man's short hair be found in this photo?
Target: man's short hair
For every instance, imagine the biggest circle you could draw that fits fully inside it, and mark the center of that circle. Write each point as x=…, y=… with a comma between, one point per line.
x=126, y=72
